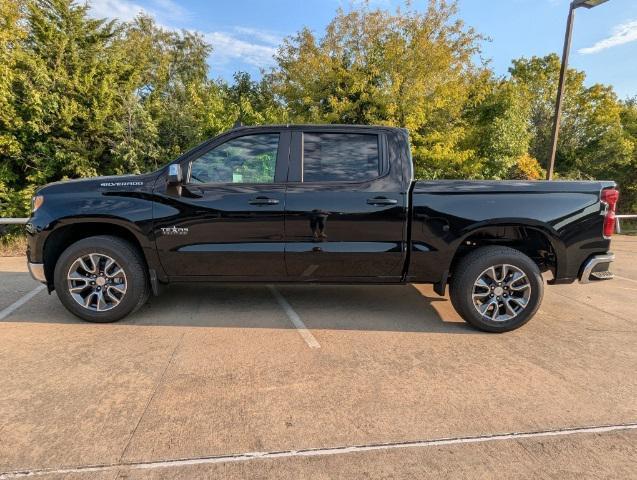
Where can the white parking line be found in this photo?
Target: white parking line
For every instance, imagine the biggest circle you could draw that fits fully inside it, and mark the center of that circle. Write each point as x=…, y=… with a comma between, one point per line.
x=315, y=452
x=21, y=301
x=294, y=318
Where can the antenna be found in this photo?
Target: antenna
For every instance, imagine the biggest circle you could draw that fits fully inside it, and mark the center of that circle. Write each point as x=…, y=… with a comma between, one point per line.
x=238, y=123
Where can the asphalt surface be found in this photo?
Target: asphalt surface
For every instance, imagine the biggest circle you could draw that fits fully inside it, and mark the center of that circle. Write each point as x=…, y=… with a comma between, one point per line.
x=319, y=382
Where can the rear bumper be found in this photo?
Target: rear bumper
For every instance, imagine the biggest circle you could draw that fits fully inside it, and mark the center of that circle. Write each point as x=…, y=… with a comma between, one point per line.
x=37, y=271
x=597, y=268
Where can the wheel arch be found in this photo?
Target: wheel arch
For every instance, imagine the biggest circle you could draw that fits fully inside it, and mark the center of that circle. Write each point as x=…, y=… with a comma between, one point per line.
x=66, y=234
x=538, y=242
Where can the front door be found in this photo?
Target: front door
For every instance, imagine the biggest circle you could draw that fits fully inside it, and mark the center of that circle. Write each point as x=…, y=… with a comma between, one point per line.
x=226, y=221
x=345, y=207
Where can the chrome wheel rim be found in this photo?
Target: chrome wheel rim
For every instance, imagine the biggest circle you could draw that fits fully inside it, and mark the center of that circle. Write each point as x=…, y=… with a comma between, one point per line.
x=96, y=282
x=501, y=292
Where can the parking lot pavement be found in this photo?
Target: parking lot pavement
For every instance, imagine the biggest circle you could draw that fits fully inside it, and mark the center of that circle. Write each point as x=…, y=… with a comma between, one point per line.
x=14, y=284
x=205, y=372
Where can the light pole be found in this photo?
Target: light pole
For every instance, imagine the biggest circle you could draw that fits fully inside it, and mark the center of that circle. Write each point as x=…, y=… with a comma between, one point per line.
x=560, y=88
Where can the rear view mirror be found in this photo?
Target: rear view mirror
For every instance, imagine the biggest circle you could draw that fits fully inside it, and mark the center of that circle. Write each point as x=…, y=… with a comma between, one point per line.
x=174, y=174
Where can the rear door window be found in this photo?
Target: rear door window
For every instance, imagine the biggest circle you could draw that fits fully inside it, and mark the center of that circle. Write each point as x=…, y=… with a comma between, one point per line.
x=340, y=157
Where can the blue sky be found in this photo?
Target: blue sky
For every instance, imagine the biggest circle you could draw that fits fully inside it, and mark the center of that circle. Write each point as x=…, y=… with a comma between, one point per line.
x=245, y=33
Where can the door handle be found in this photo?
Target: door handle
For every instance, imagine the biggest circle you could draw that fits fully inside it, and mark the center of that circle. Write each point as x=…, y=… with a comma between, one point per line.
x=382, y=201
x=263, y=201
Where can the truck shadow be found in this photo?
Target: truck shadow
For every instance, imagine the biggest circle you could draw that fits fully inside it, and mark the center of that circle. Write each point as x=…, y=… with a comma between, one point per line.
x=401, y=308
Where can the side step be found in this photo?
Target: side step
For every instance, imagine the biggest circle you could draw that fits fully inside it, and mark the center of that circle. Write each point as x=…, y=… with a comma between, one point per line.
x=605, y=275
x=597, y=268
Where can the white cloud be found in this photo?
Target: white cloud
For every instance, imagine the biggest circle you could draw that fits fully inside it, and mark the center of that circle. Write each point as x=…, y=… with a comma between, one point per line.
x=164, y=11
x=255, y=47
x=119, y=9
x=346, y=4
x=265, y=36
x=170, y=7
x=228, y=46
x=621, y=34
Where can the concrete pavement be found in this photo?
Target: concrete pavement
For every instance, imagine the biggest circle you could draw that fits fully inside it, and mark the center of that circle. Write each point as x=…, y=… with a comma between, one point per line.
x=210, y=371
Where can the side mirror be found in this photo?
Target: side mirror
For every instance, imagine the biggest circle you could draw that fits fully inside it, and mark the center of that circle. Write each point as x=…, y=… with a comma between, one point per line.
x=174, y=175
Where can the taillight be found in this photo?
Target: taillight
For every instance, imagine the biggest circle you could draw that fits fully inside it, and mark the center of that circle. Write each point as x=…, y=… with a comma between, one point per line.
x=609, y=197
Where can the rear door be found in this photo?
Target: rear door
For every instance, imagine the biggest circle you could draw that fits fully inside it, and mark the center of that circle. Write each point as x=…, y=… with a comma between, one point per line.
x=345, y=207
x=227, y=221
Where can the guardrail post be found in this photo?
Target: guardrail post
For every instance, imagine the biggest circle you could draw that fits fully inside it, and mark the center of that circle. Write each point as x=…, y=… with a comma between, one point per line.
x=618, y=228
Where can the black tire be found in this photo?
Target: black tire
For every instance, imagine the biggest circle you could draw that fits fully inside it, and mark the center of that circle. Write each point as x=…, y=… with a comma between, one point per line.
x=126, y=256
x=470, y=269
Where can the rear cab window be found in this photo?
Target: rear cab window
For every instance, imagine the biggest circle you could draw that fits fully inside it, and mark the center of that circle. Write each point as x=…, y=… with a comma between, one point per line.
x=340, y=157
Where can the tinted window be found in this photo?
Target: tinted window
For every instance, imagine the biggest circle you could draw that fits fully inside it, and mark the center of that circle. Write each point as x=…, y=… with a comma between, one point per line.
x=340, y=157
x=248, y=159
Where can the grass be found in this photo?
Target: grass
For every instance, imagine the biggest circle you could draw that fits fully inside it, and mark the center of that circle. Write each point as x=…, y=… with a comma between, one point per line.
x=629, y=226
x=13, y=245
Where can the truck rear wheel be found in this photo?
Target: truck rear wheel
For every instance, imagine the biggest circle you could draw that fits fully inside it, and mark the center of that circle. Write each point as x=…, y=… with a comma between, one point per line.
x=496, y=289
x=101, y=279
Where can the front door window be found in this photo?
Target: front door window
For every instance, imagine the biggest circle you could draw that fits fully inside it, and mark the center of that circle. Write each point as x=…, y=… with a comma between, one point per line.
x=247, y=159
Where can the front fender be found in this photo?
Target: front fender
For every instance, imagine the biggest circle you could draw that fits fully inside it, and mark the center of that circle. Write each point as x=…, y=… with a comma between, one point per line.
x=68, y=217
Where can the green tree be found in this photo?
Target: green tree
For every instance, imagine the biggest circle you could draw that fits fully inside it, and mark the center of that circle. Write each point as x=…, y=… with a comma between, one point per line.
x=84, y=97
x=500, y=132
x=591, y=142
x=11, y=36
x=627, y=173
x=253, y=103
x=12, y=33
x=595, y=140
x=409, y=69
x=62, y=96
x=170, y=99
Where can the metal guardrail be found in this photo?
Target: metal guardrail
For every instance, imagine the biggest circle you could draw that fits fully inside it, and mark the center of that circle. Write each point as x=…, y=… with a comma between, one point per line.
x=618, y=218
x=13, y=221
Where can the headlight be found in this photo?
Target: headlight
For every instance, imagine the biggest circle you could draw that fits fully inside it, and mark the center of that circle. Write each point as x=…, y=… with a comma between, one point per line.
x=36, y=202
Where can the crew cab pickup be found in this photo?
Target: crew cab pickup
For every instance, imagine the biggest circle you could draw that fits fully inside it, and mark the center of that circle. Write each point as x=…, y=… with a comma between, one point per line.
x=317, y=204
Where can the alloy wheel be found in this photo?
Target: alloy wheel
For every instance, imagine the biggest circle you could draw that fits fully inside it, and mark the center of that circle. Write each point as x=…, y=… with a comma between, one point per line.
x=97, y=282
x=501, y=292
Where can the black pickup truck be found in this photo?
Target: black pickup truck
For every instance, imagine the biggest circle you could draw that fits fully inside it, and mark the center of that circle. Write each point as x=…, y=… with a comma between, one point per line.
x=317, y=204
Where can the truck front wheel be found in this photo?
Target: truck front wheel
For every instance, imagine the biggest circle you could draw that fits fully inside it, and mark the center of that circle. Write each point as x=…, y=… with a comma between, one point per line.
x=101, y=279
x=496, y=289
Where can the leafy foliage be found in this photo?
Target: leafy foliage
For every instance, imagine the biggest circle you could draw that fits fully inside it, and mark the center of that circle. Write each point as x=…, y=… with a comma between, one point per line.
x=81, y=96
x=406, y=69
x=596, y=140
x=88, y=97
